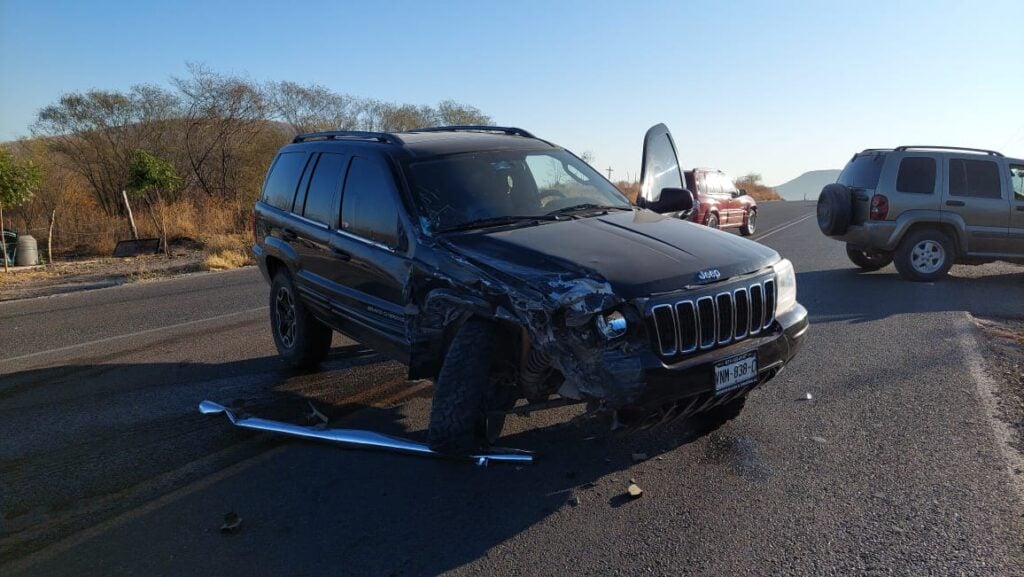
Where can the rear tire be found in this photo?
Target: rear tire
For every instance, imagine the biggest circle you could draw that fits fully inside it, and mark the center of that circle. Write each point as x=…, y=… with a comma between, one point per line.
x=750, y=224
x=834, y=210
x=925, y=255
x=868, y=260
x=458, y=419
x=301, y=340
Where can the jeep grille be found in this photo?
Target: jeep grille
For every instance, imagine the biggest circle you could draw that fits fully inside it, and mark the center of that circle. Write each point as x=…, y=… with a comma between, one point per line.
x=715, y=318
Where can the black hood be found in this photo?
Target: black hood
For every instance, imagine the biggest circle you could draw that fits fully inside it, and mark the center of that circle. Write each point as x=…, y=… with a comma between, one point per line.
x=640, y=253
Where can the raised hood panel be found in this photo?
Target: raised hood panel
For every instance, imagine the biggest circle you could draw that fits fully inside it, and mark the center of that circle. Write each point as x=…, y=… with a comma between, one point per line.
x=639, y=253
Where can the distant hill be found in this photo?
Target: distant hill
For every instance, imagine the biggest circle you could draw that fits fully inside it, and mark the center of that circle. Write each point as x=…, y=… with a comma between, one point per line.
x=808, y=183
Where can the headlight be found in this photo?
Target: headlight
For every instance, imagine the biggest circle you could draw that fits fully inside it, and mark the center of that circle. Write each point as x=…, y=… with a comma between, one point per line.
x=785, y=279
x=611, y=325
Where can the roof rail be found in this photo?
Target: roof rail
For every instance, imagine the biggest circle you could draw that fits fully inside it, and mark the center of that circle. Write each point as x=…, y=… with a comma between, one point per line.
x=385, y=137
x=511, y=130
x=981, y=150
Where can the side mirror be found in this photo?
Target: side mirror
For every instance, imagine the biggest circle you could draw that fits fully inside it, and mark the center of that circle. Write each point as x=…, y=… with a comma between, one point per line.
x=671, y=200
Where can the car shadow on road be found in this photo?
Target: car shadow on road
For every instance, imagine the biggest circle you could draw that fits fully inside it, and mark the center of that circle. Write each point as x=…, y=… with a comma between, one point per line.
x=856, y=296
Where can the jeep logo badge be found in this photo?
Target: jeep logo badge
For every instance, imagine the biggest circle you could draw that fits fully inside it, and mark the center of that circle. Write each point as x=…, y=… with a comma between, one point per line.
x=709, y=275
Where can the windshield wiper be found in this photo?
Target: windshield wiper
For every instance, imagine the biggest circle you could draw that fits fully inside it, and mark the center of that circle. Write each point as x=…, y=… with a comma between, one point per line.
x=585, y=207
x=501, y=220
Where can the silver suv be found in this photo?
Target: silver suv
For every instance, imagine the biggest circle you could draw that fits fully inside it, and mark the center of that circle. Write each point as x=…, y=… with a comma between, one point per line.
x=925, y=208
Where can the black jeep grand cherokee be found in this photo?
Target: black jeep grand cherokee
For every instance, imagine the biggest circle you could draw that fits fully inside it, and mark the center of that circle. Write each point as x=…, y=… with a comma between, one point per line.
x=504, y=267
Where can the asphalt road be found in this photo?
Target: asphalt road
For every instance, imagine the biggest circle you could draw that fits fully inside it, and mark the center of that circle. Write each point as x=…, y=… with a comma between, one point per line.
x=894, y=468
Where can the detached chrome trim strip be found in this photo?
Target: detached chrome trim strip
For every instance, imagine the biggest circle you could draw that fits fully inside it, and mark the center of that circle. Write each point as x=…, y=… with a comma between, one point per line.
x=359, y=438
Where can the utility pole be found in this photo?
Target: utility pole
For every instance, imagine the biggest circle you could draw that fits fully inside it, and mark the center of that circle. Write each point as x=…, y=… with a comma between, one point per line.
x=609, y=169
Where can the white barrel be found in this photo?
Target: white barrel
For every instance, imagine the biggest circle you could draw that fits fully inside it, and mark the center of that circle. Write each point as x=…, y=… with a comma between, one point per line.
x=28, y=251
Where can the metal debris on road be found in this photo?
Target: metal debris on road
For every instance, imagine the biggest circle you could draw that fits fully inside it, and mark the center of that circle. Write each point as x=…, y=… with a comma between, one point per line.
x=360, y=439
x=232, y=523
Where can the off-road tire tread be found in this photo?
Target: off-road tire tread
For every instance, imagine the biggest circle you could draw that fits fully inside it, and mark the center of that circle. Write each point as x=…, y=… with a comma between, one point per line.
x=461, y=389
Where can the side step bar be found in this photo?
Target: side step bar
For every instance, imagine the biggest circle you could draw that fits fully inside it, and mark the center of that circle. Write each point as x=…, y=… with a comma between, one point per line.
x=360, y=439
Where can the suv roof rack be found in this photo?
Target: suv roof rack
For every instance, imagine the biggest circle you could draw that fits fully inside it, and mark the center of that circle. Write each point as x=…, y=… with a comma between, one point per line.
x=510, y=130
x=981, y=150
x=385, y=137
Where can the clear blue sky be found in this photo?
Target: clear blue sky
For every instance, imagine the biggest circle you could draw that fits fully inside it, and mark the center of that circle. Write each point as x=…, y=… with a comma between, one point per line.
x=777, y=88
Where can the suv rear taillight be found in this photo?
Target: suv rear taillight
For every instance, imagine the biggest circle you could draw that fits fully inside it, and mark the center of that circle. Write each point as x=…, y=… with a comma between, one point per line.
x=879, y=207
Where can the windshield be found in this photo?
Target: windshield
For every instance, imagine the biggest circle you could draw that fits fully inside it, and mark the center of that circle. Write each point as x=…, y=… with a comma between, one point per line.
x=457, y=191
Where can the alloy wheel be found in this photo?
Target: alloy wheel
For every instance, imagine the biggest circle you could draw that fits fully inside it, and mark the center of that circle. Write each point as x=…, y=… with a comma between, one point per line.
x=284, y=305
x=927, y=256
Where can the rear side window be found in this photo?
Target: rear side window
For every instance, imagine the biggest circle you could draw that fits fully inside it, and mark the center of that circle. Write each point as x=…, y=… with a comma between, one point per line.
x=283, y=180
x=862, y=171
x=368, y=206
x=978, y=178
x=324, y=186
x=917, y=174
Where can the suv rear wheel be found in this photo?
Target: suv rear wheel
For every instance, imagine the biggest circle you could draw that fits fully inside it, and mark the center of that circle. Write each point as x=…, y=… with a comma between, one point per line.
x=750, y=225
x=924, y=255
x=459, y=422
x=302, y=341
x=868, y=260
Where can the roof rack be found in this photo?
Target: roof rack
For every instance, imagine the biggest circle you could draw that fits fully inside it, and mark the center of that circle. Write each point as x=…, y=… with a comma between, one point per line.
x=510, y=130
x=385, y=137
x=981, y=150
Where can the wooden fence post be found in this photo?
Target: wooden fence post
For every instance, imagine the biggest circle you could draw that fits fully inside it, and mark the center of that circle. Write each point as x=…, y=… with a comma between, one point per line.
x=131, y=219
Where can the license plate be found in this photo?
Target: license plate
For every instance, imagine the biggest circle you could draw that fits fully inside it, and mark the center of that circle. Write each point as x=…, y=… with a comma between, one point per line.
x=735, y=372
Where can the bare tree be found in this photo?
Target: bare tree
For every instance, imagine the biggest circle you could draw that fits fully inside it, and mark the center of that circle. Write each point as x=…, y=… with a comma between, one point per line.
x=313, y=107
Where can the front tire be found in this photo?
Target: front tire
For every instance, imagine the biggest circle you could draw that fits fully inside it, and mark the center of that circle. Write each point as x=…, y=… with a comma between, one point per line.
x=459, y=423
x=868, y=260
x=924, y=255
x=750, y=225
x=713, y=221
x=301, y=340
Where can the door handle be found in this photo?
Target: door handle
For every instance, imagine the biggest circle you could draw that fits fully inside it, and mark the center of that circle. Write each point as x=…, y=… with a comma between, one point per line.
x=955, y=203
x=288, y=234
x=340, y=254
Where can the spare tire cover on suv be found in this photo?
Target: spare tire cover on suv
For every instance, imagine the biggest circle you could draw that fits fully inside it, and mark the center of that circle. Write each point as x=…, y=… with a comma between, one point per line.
x=834, y=209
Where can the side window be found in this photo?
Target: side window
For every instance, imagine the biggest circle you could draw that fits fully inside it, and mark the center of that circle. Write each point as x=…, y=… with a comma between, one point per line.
x=324, y=185
x=917, y=175
x=978, y=178
x=368, y=204
x=1017, y=180
x=279, y=190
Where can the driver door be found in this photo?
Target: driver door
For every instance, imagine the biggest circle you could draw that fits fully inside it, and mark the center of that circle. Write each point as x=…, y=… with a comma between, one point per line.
x=659, y=167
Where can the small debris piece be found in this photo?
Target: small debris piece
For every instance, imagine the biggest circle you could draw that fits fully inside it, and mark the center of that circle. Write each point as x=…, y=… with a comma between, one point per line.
x=232, y=522
x=574, y=501
x=316, y=414
x=659, y=458
x=819, y=440
x=808, y=397
x=637, y=457
x=634, y=490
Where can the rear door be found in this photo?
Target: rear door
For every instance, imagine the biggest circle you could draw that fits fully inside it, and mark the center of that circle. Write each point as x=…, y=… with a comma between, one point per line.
x=317, y=204
x=659, y=166
x=1017, y=207
x=975, y=194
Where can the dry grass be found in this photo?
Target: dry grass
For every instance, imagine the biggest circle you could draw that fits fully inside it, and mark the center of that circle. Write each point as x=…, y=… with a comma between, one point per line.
x=227, y=251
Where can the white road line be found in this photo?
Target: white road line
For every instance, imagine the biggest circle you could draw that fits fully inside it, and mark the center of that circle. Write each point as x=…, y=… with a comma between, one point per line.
x=130, y=335
x=784, y=226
